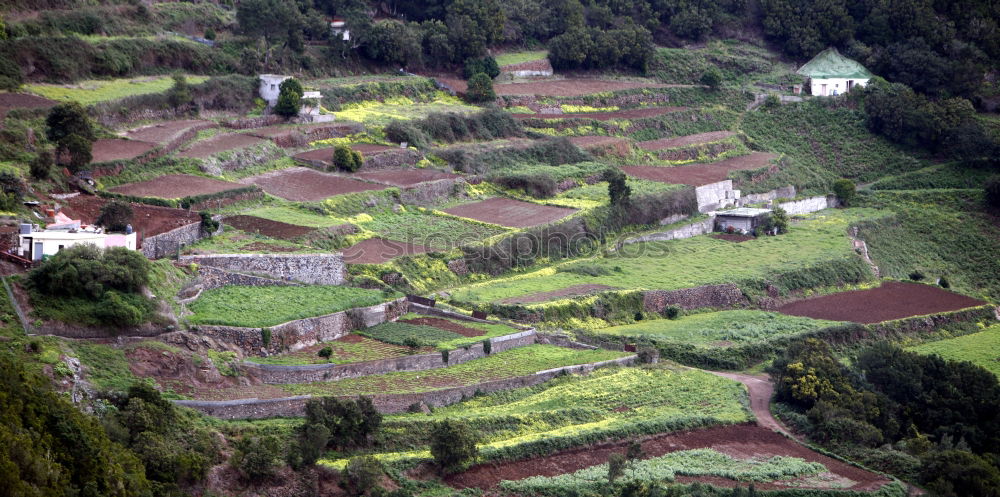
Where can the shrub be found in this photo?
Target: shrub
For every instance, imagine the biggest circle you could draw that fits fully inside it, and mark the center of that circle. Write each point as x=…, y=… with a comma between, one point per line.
x=115, y=216
x=485, y=65
x=480, y=88
x=289, y=98
x=351, y=422
x=407, y=131
x=41, y=166
x=209, y=33
x=10, y=74
x=992, y=190
x=712, y=78
x=346, y=159
x=80, y=151
x=325, y=353
x=256, y=458
x=68, y=119
x=917, y=276
x=453, y=445
x=209, y=225
x=179, y=94
x=360, y=475
x=536, y=185
x=88, y=272
x=618, y=189
x=845, y=191
x=616, y=467
x=310, y=445
x=772, y=101
x=118, y=309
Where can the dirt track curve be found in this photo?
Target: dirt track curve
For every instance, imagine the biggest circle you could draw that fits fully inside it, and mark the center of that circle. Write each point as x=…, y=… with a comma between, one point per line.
x=761, y=390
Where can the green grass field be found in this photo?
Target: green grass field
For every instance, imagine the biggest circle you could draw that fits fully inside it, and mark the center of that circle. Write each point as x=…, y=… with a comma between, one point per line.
x=431, y=230
x=691, y=262
x=715, y=329
x=506, y=59
x=234, y=241
x=294, y=215
x=507, y=364
x=95, y=91
x=403, y=333
x=575, y=410
x=697, y=462
x=352, y=349
x=981, y=349
x=254, y=307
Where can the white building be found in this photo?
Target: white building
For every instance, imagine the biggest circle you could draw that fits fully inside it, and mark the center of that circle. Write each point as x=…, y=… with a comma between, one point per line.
x=38, y=244
x=270, y=87
x=338, y=28
x=831, y=74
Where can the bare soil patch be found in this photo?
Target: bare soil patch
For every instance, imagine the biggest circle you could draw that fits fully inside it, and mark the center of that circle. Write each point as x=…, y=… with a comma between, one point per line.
x=165, y=132
x=741, y=441
x=607, y=116
x=509, y=212
x=444, y=324
x=302, y=184
x=220, y=143
x=683, y=141
x=729, y=237
x=147, y=220
x=119, y=149
x=892, y=300
x=700, y=174
x=603, y=145
x=405, y=178
x=267, y=227
x=176, y=186
x=570, y=291
x=379, y=250
x=10, y=101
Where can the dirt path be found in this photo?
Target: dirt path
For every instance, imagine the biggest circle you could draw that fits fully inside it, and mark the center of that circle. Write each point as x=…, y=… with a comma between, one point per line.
x=761, y=390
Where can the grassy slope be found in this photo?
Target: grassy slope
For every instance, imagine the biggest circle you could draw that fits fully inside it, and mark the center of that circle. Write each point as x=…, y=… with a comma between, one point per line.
x=982, y=349
x=691, y=262
x=707, y=329
x=270, y=305
x=95, y=91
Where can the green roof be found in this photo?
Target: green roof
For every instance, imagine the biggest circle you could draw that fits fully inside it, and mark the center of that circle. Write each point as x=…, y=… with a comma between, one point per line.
x=830, y=64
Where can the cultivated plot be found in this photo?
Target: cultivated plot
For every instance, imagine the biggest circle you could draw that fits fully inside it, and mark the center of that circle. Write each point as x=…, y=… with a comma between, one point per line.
x=510, y=212
x=700, y=174
x=607, y=116
x=302, y=184
x=892, y=300
x=404, y=178
x=176, y=186
x=981, y=349
x=165, y=132
x=683, y=141
x=147, y=220
x=379, y=250
x=267, y=227
x=220, y=143
x=108, y=149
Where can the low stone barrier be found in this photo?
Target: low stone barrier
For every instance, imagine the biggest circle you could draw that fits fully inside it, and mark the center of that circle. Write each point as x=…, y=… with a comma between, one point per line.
x=725, y=296
x=389, y=403
x=168, y=243
x=317, y=269
x=270, y=373
x=301, y=333
x=809, y=205
x=687, y=231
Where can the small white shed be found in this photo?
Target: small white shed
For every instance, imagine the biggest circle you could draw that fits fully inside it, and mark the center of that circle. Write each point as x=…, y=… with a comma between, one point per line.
x=830, y=73
x=270, y=87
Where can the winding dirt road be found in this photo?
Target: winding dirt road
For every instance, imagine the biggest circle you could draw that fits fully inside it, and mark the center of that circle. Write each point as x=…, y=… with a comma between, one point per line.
x=761, y=390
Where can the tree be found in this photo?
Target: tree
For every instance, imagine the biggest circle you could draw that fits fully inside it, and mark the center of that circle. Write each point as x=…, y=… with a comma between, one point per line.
x=256, y=458
x=955, y=473
x=845, y=191
x=486, y=65
x=360, y=475
x=347, y=159
x=209, y=33
x=325, y=353
x=80, y=151
x=115, y=215
x=10, y=74
x=616, y=467
x=270, y=20
x=351, y=422
x=66, y=119
x=41, y=165
x=311, y=443
x=712, y=78
x=474, y=25
x=289, y=98
x=618, y=190
x=179, y=94
x=480, y=89
x=453, y=445
x=992, y=191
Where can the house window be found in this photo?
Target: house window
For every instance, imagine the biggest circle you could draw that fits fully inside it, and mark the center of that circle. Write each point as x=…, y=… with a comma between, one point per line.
x=61, y=247
x=272, y=87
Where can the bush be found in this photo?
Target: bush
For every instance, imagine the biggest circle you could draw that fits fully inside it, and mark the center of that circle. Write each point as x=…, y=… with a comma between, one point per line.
x=616, y=467
x=536, y=185
x=992, y=190
x=325, y=353
x=209, y=33
x=41, y=166
x=407, y=131
x=121, y=310
x=486, y=65
x=10, y=75
x=115, y=215
x=80, y=151
x=453, y=445
x=351, y=422
x=257, y=458
x=289, y=98
x=618, y=189
x=209, y=225
x=361, y=474
x=179, y=94
x=480, y=88
x=68, y=119
x=346, y=159
x=712, y=78
x=845, y=191
x=88, y=272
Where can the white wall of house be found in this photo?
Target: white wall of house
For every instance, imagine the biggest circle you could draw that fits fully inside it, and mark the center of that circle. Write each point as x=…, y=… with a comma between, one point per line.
x=825, y=87
x=741, y=224
x=41, y=244
x=270, y=87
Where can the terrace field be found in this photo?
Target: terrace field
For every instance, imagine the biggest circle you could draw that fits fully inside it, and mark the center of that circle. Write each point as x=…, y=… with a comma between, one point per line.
x=817, y=239
x=375, y=113
x=981, y=349
x=718, y=329
x=445, y=334
x=507, y=364
x=430, y=230
x=261, y=306
x=95, y=91
x=345, y=350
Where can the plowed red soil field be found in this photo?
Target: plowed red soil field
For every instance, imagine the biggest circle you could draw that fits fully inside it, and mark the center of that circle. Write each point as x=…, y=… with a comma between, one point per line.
x=444, y=324
x=10, y=101
x=220, y=143
x=405, y=177
x=267, y=227
x=119, y=149
x=379, y=250
x=510, y=212
x=302, y=184
x=147, y=220
x=740, y=441
x=683, y=141
x=570, y=291
x=163, y=133
x=176, y=186
x=700, y=174
x=892, y=300
x=606, y=116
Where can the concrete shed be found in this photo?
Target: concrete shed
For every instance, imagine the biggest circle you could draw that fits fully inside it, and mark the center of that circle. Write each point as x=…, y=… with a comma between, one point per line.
x=742, y=220
x=830, y=73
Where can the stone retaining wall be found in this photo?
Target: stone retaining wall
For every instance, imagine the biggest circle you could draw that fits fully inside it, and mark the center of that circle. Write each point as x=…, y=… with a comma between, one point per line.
x=725, y=296
x=808, y=205
x=713, y=195
x=269, y=373
x=213, y=277
x=756, y=198
x=301, y=333
x=389, y=403
x=318, y=269
x=430, y=192
x=694, y=229
x=166, y=244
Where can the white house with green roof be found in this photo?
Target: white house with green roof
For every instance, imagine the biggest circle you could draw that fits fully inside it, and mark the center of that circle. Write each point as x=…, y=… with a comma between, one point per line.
x=830, y=73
